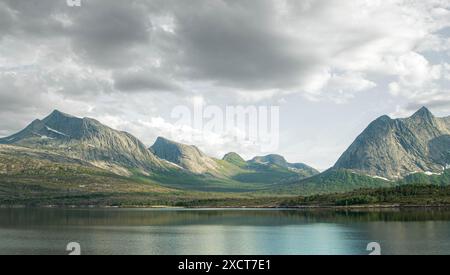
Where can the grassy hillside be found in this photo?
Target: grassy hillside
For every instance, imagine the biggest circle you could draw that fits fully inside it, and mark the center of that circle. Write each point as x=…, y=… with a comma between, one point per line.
x=272, y=175
x=406, y=195
x=333, y=181
x=416, y=189
x=235, y=159
x=420, y=178
x=36, y=177
x=243, y=178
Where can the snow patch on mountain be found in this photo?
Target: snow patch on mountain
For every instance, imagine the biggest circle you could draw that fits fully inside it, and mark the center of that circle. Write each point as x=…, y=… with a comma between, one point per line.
x=56, y=132
x=378, y=177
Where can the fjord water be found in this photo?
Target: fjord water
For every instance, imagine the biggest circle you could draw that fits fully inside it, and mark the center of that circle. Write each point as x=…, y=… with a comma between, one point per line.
x=233, y=231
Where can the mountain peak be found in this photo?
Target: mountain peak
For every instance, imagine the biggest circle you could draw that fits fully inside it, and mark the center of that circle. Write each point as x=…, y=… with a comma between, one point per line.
x=57, y=113
x=384, y=118
x=395, y=148
x=233, y=155
x=271, y=159
x=187, y=156
x=92, y=142
x=235, y=159
x=280, y=161
x=423, y=112
x=164, y=140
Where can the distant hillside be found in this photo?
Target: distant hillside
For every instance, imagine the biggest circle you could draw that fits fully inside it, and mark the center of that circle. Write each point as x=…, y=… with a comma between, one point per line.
x=279, y=161
x=269, y=169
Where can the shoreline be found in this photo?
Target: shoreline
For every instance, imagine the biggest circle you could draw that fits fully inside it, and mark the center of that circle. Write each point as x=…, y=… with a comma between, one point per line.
x=300, y=207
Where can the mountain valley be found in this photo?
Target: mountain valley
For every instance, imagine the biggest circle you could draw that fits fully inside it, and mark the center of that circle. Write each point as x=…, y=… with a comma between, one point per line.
x=63, y=159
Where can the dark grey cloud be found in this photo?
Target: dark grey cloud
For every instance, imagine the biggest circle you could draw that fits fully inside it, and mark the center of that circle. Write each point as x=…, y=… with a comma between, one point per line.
x=36, y=19
x=102, y=32
x=144, y=81
x=107, y=32
x=32, y=10
x=237, y=44
x=244, y=45
x=6, y=20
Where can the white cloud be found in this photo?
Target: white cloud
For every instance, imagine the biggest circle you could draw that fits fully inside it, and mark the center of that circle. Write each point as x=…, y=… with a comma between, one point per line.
x=337, y=87
x=413, y=72
x=212, y=143
x=420, y=82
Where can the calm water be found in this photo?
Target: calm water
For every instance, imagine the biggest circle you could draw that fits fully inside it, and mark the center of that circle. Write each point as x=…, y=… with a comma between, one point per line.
x=123, y=231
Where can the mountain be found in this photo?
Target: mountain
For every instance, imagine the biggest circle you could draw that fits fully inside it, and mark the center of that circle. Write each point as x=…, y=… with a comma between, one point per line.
x=271, y=169
x=396, y=148
x=67, y=160
x=235, y=159
x=167, y=163
x=280, y=161
x=88, y=140
x=232, y=167
x=39, y=177
x=188, y=157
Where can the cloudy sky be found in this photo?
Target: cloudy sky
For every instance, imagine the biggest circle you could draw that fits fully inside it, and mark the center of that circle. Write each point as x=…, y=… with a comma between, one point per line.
x=331, y=65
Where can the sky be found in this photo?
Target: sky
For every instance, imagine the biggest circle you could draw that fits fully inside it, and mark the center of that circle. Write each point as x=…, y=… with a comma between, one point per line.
x=331, y=66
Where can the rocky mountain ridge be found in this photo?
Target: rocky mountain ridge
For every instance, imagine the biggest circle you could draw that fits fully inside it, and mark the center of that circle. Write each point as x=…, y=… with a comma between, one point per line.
x=88, y=140
x=396, y=148
x=119, y=152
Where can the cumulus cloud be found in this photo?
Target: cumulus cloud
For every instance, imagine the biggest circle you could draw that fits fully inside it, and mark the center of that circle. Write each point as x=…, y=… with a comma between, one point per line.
x=423, y=83
x=338, y=87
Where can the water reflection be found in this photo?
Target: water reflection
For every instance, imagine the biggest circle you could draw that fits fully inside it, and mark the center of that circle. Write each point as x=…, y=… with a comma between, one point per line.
x=125, y=231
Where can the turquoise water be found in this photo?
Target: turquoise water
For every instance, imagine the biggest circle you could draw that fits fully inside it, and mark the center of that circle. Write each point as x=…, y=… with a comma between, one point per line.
x=236, y=232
